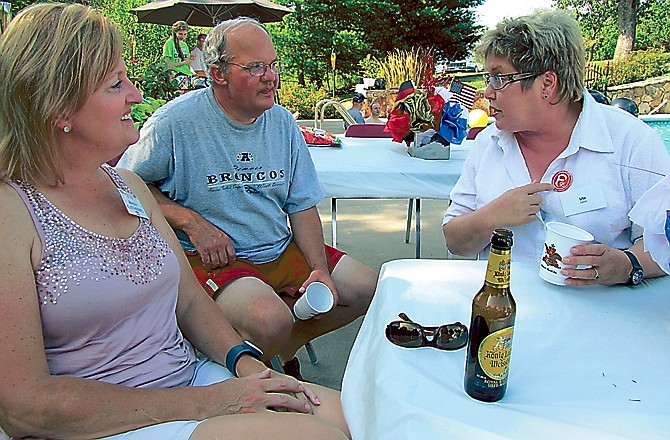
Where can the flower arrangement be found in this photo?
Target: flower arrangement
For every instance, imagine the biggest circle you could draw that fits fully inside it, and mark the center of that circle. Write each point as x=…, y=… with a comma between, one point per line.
x=427, y=107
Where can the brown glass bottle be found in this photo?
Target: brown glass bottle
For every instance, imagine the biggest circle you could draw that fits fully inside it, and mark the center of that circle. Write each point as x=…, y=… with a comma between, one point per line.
x=492, y=326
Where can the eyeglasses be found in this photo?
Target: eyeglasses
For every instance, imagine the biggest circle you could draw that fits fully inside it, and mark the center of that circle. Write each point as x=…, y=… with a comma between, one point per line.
x=259, y=69
x=409, y=334
x=498, y=82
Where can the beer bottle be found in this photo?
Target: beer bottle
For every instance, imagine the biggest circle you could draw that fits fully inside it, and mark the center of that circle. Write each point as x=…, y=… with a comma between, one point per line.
x=492, y=326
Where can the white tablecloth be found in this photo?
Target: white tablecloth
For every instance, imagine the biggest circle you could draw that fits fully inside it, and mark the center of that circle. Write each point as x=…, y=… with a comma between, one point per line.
x=381, y=168
x=587, y=363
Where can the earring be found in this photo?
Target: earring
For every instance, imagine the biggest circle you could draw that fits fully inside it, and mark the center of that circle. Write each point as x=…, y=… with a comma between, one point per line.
x=545, y=96
x=66, y=128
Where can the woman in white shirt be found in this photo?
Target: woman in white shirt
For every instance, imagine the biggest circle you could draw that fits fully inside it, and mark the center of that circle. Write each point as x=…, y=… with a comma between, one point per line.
x=554, y=154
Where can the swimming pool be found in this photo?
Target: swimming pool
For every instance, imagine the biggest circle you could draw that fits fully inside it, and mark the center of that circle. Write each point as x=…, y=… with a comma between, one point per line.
x=660, y=123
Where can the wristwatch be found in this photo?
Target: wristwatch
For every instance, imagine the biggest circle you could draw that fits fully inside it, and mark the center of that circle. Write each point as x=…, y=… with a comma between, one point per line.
x=637, y=273
x=237, y=351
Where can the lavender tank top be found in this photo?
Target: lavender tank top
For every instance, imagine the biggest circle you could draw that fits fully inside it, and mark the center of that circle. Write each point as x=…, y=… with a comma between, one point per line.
x=108, y=304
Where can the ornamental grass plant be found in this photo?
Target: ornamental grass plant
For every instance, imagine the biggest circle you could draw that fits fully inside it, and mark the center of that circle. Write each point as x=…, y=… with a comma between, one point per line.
x=402, y=65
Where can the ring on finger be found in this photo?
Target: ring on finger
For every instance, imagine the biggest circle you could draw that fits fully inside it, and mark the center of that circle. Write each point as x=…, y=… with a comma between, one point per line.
x=597, y=275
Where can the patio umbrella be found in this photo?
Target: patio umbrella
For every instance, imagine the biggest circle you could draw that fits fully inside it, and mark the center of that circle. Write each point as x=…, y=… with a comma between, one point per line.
x=208, y=12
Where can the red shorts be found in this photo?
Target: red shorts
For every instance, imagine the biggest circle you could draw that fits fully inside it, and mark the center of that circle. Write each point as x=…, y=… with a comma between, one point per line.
x=285, y=274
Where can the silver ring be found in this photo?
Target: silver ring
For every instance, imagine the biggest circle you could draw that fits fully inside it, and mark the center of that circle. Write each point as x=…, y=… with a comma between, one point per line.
x=597, y=274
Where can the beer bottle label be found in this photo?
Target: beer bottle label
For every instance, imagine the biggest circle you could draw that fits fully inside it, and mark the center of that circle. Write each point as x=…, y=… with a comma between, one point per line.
x=497, y=270
x=494, y=353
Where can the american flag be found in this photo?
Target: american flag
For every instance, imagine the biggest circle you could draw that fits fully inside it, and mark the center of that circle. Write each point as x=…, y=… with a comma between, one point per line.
x=462, y=93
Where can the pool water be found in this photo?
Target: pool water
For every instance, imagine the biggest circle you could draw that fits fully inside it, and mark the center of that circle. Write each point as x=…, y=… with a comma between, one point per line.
x=663, y=129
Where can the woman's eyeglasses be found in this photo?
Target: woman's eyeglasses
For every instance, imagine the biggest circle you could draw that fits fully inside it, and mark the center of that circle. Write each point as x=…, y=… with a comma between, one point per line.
x=499, y=82
x=409, y=334
x=259, y=69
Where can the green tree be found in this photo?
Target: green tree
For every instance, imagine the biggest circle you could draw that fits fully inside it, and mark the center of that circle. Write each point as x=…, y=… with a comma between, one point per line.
x=597, y=21
x=627, y=20
x=653, y=29
x=356, y=28
x=305, y=38
x=142, y=41
x=600, y=22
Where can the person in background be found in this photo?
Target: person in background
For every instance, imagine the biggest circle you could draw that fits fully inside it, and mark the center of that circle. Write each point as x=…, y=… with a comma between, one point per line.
x=375, y=111
x=198, y=64
x=177, y=56
x=101, y=311
x=233, y=175
x=652, y=213
x=355, y=110
x=553, y=154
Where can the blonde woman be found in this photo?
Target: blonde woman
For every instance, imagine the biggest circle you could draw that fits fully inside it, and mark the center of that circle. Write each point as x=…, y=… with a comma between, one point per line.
x=97, y=296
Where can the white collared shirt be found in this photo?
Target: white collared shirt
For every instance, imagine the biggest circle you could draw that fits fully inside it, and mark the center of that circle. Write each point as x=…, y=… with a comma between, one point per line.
x=611, y=155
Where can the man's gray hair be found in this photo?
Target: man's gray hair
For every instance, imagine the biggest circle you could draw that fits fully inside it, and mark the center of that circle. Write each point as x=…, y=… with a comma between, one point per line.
x=216, y=49
x=546, y=40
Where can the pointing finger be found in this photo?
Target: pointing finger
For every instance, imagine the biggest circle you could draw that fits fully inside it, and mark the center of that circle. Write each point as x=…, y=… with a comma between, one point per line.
x=536, y=187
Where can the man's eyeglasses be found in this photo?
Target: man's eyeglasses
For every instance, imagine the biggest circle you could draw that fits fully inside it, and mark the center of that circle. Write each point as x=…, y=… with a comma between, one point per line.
x=498, y=82
x=409, y=334
x=259, y=69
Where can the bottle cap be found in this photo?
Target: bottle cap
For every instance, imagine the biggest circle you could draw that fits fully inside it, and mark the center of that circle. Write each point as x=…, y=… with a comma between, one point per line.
x=502, y=238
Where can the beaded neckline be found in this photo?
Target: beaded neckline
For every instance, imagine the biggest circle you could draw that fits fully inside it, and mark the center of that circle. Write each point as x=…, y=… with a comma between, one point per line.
x=42, y=200
x=72, y=253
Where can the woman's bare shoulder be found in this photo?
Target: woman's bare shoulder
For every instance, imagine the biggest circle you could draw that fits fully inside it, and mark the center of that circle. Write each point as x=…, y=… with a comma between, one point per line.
x=16, y=224
x=13, y=207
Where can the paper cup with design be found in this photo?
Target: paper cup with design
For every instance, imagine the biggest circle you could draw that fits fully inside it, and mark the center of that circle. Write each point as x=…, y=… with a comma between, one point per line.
x=317, y=299
x=561, y=237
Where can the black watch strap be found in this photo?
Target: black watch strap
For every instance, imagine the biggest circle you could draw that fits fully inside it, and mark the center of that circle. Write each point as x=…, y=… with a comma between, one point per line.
x=237, y=351
x=637, y=273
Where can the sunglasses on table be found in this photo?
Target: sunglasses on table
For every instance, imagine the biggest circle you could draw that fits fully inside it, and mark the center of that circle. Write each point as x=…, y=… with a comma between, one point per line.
x=409, y=334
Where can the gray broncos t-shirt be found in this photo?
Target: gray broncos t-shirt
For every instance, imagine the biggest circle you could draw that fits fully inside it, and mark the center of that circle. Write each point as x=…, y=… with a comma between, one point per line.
x=245, y=179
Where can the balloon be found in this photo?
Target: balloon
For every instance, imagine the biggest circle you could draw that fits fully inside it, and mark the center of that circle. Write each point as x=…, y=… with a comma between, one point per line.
x=478, y=118
x=599, y=97
x=626, y=104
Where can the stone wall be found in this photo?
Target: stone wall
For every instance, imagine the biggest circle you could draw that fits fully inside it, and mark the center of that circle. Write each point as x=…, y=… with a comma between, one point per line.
x=652, y=95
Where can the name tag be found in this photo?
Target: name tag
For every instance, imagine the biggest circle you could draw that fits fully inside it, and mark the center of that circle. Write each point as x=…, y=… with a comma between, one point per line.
x=584, y=199
x=133, y=205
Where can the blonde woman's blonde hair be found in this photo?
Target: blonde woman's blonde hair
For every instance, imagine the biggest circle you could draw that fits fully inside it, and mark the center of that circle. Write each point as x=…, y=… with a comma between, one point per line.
x=53, y=57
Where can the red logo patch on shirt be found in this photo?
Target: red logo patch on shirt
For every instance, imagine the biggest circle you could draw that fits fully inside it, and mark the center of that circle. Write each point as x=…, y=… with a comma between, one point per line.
x=562, y=180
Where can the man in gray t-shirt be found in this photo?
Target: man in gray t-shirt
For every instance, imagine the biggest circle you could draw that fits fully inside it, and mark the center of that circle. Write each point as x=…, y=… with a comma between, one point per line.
x=235, y=179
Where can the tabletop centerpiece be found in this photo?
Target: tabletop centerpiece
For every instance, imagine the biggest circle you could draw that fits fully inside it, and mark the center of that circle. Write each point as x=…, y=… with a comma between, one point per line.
x=424, y=117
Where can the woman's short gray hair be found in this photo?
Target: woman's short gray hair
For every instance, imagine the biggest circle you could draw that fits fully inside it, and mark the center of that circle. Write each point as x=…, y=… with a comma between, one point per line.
x=216, y=49
x=546, y=40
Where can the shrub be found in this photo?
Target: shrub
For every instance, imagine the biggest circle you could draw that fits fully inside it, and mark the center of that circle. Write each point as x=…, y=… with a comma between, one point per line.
x=157, y=82
x=301, y=99
x=639, y=66
x=369, y=67
x=141, y=112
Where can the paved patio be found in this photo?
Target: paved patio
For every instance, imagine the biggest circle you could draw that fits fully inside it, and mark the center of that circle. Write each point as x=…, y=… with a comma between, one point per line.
x=371, y=231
